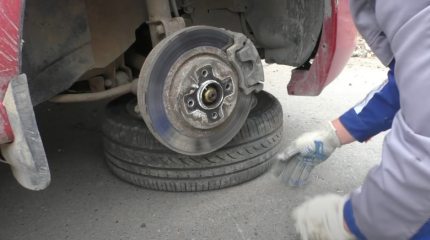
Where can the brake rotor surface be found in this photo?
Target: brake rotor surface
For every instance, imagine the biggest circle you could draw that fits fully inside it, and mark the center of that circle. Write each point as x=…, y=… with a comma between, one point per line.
x=189, y=93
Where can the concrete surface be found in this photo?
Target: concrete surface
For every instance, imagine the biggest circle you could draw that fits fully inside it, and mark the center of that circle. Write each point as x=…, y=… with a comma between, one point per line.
x=86, y=201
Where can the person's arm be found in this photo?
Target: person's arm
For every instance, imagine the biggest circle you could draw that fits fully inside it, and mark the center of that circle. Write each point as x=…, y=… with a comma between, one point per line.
x=342, y=133
x=371, y=116
x=374, y=114
x=394, y=201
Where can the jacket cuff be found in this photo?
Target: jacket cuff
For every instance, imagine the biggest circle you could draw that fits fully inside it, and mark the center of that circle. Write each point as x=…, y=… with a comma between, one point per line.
x=348, y=216
x=353, y=124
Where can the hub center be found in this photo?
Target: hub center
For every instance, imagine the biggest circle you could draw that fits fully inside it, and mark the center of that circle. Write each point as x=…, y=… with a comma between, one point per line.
x=210, y=95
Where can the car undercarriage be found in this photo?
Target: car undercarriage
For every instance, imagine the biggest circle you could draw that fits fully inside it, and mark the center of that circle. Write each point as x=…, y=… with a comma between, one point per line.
x=187, y=73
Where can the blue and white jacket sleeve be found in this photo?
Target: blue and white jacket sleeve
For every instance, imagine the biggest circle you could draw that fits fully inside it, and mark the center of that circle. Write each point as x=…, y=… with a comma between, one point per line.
x=375, y=113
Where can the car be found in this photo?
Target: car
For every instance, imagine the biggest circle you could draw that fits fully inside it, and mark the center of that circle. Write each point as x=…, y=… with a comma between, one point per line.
x=186, y=74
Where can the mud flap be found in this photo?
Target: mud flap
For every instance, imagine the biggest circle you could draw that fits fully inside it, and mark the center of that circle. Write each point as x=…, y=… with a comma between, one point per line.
x=25, y=154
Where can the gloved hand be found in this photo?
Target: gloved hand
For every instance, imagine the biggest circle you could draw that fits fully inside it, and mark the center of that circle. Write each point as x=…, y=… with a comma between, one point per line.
x=299, y=159
x=321, y=218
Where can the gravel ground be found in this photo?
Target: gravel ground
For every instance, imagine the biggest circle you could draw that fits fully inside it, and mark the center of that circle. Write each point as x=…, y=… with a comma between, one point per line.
x=362, y=49
x=86, y=201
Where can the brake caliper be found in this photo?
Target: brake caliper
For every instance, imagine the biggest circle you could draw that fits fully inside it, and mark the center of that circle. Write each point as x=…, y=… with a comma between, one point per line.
x=245, y=58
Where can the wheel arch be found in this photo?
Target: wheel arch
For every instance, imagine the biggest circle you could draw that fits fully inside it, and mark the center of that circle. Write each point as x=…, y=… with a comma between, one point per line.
x=288, y=30
x=285, y=31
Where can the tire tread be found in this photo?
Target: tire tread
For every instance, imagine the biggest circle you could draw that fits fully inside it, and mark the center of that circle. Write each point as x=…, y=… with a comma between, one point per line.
x=134, y=155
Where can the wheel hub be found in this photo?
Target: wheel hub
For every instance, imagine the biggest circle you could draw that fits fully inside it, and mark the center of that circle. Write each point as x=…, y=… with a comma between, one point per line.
x=206, y=85
x=209, y=97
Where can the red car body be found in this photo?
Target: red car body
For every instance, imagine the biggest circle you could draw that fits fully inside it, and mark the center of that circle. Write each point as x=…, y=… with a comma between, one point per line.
x=338, y=41
x=10, y=51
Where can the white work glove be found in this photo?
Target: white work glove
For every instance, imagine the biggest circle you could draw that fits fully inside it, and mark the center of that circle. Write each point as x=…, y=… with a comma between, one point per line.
x=321, y=218
x=296, y=163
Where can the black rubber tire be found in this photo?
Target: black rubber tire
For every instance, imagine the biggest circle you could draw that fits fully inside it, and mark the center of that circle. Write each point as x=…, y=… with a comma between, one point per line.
x=134, y=155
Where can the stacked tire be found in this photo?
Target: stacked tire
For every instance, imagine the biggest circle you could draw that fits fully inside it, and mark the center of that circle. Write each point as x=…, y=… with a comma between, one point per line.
x=134, y=155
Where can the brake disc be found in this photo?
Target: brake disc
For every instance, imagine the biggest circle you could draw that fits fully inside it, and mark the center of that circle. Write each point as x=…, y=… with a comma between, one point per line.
x=191, y=89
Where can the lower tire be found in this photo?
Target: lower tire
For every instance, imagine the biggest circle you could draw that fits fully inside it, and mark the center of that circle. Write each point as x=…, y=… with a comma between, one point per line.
x=134, y=155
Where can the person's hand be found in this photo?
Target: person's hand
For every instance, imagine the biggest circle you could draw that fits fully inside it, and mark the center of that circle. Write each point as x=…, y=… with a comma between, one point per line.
x=321, y=218
x=299, y=159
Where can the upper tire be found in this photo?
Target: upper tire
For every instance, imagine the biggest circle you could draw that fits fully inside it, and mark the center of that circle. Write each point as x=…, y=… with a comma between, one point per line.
x=134, y=155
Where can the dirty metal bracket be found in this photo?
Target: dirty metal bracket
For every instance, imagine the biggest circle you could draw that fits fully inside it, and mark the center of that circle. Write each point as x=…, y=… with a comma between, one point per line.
x=25, y=154
x=161, y=24
x=245, y=58
x=166, y=28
